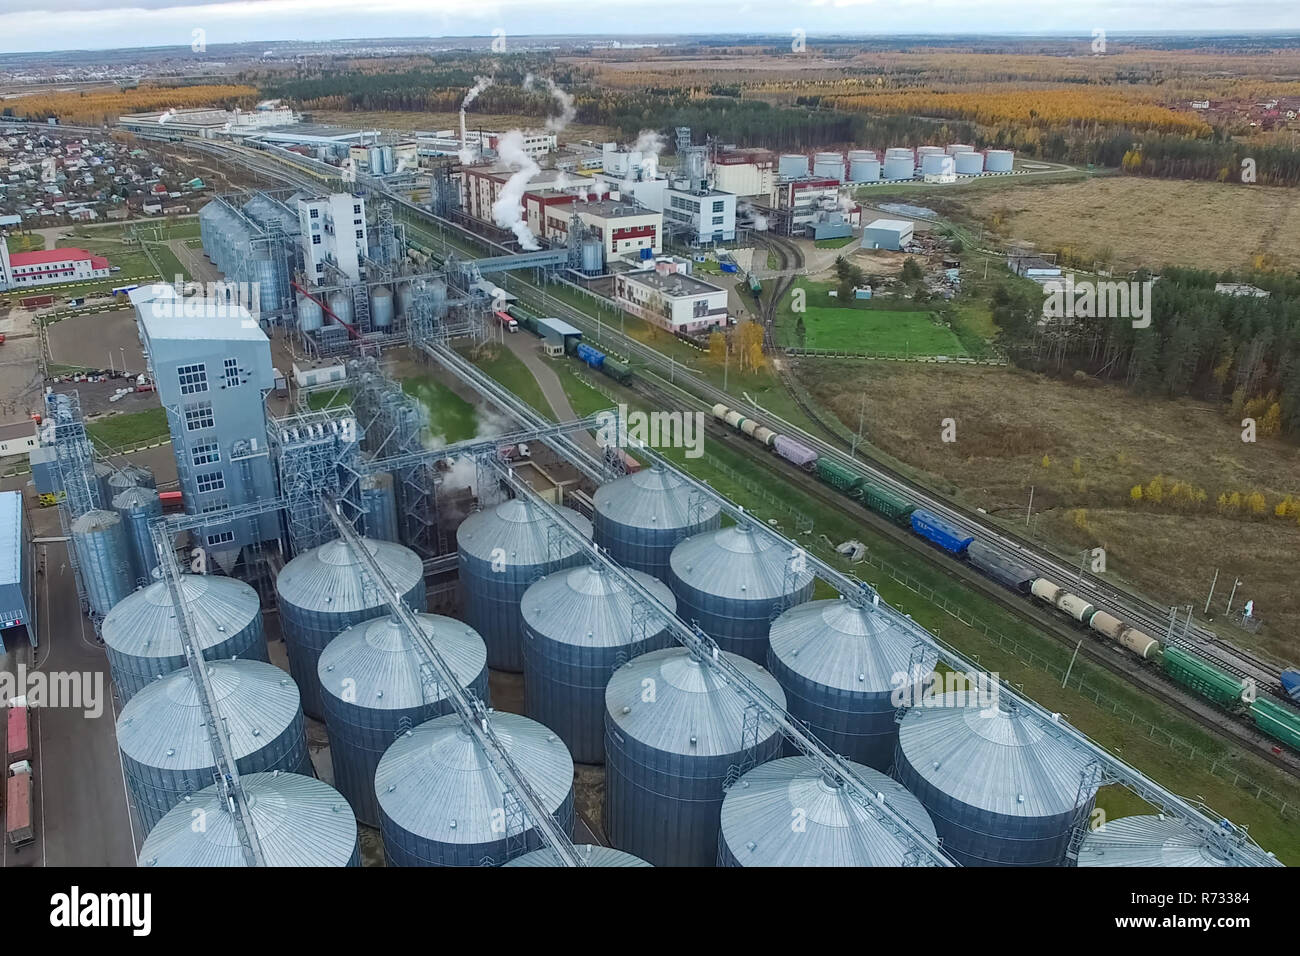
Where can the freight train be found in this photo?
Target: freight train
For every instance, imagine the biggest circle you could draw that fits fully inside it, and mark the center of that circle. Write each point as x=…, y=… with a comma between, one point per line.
x=1233, y=693
x=593, y=357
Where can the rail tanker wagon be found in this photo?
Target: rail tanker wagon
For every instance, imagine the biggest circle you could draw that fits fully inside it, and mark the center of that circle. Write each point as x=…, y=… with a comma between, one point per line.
x=1108, y=625
x=939, y=532
x=1062, y=600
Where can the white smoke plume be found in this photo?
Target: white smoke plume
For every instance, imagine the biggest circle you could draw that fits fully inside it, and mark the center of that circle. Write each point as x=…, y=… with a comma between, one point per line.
x=649, y=143
x=598, y=189
x=481, y=83
x=568, y=111
x=507, y=211
x=166, y=116
x=760, y=223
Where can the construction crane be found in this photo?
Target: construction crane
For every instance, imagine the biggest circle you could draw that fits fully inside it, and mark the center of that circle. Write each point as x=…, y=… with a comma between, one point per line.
x=517, y=793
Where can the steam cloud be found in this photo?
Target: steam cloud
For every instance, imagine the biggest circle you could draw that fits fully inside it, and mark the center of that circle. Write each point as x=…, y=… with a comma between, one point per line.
x=481, y=83
x=507, y=211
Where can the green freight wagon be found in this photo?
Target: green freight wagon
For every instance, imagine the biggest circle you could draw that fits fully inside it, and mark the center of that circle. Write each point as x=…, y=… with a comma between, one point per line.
x=1277, y=720
x=1203, y=677
x=616, y=370
x=883, y=501
x=839, y=477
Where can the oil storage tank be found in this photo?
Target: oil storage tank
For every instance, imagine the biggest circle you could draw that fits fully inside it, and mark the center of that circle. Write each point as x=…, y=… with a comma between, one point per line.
x=937, y=163
x=733, y=582
x=900, y=163
x=641, y=517
x=322, y=593
x=758, y=811
x=598, y=856
x=104, y=558
x=674, y=731
x=969, y=164
x=578, y=626
x=502, y=551
x=1001, y=789
x=840, y=664
x=142, y=641
x=380, y=502
x=299, y=822
x=864, y=166
x=166, y=749
x=1142, y=841
x=375, y=687
x=136, y=507
x=792, y=166
x=829, y=166
x=440, y=802
x=998, y=160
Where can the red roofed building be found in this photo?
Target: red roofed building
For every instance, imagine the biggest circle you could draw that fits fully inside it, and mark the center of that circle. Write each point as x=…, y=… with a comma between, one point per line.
x=22, y=270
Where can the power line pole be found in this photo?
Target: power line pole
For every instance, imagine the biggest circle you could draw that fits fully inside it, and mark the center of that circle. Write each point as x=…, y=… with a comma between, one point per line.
x=1210, y=596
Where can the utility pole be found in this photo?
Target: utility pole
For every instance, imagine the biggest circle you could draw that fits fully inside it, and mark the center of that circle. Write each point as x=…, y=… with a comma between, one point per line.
x=1210, y=596
x=862, y=413
x=1030, y=509
x=1235, y=584
x=1072, y=659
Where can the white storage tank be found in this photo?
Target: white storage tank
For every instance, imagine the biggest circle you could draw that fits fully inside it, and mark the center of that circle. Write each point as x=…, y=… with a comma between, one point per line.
x=900, y=163
x=440, y=802
x=864, y=166
x=829, y=166
x=310, y=316
x=969, y=164
x=958, y=148
x=998, y=160
x=936, y=164
x=792, y=166
x=381, y=308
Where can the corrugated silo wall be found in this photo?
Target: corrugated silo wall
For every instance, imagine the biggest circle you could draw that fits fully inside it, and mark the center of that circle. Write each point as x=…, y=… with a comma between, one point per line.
x=308, y=631
x=403, y=848
x=132, y=674
x=976, y=837
x=646, y=549
x=666, y=808
x=741, y=627
x=359, y=736
x=492, y=603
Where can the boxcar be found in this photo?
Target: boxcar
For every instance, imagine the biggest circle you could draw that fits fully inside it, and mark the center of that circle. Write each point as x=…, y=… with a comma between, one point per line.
x=839, y=477
x=883, y=501
x=939, y=532
x=794, y=452
x=1003, y=570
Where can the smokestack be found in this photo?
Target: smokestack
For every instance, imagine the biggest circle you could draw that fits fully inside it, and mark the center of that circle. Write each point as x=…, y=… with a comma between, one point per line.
x=481, y=83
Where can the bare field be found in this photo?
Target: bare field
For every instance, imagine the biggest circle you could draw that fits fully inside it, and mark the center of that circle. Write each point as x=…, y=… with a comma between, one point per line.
x=1151, y=222
x=428, y=122
x=1016, y=430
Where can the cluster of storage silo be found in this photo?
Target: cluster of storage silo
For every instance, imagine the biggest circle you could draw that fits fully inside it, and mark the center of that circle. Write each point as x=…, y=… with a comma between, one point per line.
x=641, y=517
x=299, y=822
x=136, y=507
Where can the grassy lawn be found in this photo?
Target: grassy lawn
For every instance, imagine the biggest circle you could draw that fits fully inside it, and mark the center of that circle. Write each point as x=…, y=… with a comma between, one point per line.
x=319, y=400
x=450, y=416
x=839, y=243
x=129, y=428
x=863, y=326
x=511, y=372
x=26, y=243
x=171, y=266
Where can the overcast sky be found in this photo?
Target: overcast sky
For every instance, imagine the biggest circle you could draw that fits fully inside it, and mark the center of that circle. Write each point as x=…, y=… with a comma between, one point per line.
x=34, y=25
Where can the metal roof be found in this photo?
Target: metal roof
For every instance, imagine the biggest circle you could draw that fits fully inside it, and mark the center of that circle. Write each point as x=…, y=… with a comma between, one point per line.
x=837, y=644
x=435, y=782
x=737, y=563
x=520, y=528
x=378, y=667
x=299, y=822
x=198, y=318
x=328, y=578
x=143, y=624
x=589, y=607
x=11, y=537
x=592, y=856
x=652, y=498
x=162, y=726
x=95, y=520
x=759, y=811
x=692, y=711
x=559, y=327
x=996, y=759
x=1146, y=841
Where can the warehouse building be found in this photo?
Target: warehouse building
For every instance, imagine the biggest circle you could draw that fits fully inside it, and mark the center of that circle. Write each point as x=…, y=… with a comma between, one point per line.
x=22, y=270
x=16, y=598
x=209, y=122
x=894, y=234
x=671, y=300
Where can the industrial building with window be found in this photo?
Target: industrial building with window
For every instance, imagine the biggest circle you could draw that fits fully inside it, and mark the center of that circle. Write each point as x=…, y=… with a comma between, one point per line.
x=21, y=270
x=671, y=299
x=333, y=231
x=211, y=362
x=706, y=215
x=625, y=228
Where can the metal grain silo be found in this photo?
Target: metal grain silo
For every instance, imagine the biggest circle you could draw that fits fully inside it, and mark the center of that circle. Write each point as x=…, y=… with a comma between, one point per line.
x=1143, y=841
x=340, y=304
x=375, y=688
x=382, y=308
x=578, y=626
x=675, y=734
x=640, y=518
x=593, y=256
x=104, y=557
x=143, y=644
x=310, y=315
x=598, y=856
x=839, y=665
x=900, y=163
x=998, y=160
x=299, y=821
x=378, y=499
x=969, y=164
x=440, y=803
x=733, y=582
x=137, y=507
x=165, y=744
x=502, y=551
x=323, y=592
x=762, y=808
x=103, y=472
x=792, y=166
x=1001, y=790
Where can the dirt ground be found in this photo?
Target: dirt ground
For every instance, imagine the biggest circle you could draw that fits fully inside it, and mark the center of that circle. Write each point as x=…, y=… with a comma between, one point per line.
x=96, y=341
x=1082, y=449
x=1151, y=222
x=429, y=122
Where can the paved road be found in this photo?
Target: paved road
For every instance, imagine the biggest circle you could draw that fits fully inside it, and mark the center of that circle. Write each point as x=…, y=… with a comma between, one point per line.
x=529, y=351
x=195, y=262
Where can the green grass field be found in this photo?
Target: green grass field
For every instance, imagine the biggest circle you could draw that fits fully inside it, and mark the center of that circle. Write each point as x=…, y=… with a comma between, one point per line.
x=839, y=243
x=863, y=326
x=449, y=415
x=318, y=400
x=129, y=428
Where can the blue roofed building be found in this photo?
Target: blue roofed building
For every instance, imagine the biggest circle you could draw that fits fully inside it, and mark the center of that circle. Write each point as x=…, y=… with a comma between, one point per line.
x=16, y=597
